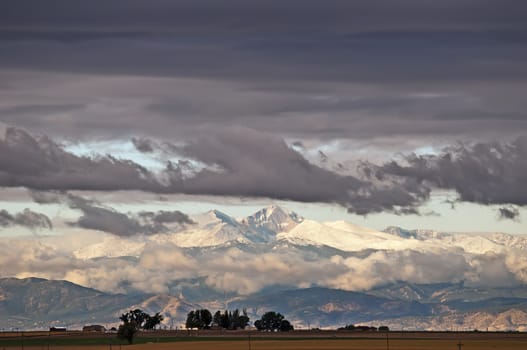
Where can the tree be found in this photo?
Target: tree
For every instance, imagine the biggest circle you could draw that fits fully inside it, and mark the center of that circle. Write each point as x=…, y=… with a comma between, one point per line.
x=137, y=316
x=200, y=319
x=134, y=320
x=231, y=319
x=152, y=321
x=217, y=319
x=241, y=321
x=273, y=321
x=285, y=326
x=127, y=331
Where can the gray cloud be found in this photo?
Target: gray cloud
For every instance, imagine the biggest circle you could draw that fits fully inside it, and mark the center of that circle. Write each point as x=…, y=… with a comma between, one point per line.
x=305, y=69
x=247, y=163
x=486, y=173
x=508, y=213
x=43, y=165
x=46, y=197
x=163, y=217
x=143, y=145
x=297, y=17
x=18, y=111
x=95, y=216
x=239, y=162
x=157, y=264
x=253, y=164
x=26, y=218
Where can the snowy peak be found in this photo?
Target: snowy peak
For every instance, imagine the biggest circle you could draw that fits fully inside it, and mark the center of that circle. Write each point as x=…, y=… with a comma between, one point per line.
x=273, y=218
x=475, y=242
x=212, y=229
x=215, y=217
x=344, y=236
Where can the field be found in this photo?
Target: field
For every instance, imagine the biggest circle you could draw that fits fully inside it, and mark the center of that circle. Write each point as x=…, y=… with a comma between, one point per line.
x=298, y=340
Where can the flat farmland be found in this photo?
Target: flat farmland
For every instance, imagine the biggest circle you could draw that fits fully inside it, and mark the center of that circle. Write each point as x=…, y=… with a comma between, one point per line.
x=298, y=340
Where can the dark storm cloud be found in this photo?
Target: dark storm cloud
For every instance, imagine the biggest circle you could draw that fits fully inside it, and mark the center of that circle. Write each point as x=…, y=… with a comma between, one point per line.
x=399, y=58
x=95, y=216
x=235, y=16
x=143, y=145
x=343, y=40
x=244, y=162
x=42, y=164
x=163, y=217
x=508, y=213
x=281, y=67
x=238, y=162
x=26, y=218
x=105, y=219
x=486, y=173
x=254, y=164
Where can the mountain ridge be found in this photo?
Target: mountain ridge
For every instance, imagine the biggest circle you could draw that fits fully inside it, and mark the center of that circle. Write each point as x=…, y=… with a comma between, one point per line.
x=75, y=305
x=326, y=271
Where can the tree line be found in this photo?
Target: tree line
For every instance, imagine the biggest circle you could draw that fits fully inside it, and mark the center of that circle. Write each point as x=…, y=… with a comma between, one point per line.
x=135, y=320
x=203, y=319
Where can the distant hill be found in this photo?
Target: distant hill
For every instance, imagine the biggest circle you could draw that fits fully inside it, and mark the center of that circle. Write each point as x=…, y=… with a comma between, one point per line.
x=35, y=303
x=38, y=303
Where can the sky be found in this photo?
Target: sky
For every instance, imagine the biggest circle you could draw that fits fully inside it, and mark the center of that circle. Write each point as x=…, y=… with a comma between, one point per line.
x=408, y=113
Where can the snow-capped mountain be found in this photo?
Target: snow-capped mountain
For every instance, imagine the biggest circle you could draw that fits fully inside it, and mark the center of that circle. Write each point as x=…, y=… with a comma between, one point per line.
x=211, y=229
x=476, y=243
x=345, y=236
x=326, y=271
x=272, y=220
x=275, y=225
x=112, y=247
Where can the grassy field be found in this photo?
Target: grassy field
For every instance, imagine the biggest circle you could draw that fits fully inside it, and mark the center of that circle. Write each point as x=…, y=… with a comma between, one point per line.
x=259, y=341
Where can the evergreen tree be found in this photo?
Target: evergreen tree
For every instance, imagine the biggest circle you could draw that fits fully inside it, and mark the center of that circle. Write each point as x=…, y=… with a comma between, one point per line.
x=200, y=319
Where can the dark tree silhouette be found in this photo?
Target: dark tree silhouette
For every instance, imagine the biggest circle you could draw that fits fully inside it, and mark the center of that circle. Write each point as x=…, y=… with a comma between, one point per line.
x=200, y=319
x=152, y=321
x=127, y=331
x=134, y=320
x=272, y=321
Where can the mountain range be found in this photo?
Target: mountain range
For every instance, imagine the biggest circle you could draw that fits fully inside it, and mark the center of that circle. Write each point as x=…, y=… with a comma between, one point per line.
x=317, y=274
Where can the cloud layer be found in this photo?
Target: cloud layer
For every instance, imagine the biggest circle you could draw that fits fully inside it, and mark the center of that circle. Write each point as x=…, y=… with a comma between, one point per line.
x=304, y=69
x=482, y=173
x=231, y=269
x=243, y=162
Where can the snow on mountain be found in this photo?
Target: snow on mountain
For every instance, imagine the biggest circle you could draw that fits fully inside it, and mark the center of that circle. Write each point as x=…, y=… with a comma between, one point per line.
x=267, y=222
x=275, y=224
x=274, y=219
x=212, y=229
x=345, y=236
x=474, y=243
x=112, y=247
